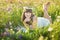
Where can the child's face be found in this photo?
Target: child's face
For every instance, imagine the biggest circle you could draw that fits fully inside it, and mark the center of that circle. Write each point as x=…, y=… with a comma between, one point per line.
x=28, y=15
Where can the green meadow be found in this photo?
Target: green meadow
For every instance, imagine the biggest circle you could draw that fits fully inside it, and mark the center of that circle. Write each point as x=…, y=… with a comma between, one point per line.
x=10, y=20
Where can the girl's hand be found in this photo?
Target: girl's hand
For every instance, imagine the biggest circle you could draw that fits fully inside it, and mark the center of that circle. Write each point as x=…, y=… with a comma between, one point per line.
x=27, y=19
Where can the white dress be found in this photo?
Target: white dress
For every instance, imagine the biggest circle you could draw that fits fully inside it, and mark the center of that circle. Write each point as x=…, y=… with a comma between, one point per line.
x=42, y=22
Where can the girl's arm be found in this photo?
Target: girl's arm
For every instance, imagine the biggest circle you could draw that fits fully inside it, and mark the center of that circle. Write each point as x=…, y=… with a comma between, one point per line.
x=34, y=24
x=26, y=25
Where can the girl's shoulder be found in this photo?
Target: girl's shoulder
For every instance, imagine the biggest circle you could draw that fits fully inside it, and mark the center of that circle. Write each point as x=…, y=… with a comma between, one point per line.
x=34, y=18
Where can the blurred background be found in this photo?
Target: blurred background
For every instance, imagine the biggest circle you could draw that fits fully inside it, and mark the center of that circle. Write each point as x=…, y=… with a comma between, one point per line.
x=11, y=24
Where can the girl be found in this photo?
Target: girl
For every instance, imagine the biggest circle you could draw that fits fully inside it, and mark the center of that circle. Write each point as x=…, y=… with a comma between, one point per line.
x=27, y=18
x=31, y=21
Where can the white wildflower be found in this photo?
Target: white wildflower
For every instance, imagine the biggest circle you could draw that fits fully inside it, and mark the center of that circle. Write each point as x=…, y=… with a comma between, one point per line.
x=50, y=29
x=41, y=38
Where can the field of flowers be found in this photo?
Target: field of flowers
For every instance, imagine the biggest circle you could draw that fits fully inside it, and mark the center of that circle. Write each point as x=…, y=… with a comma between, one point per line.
x=11, y=26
